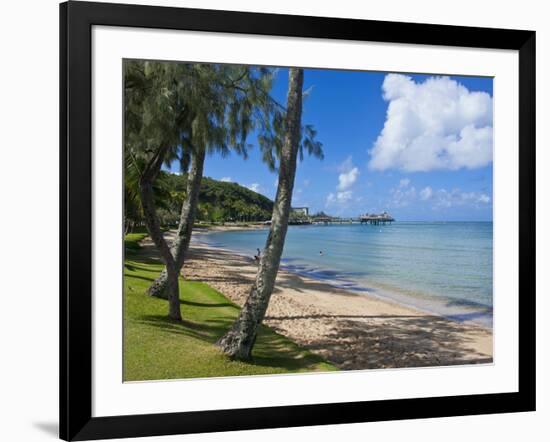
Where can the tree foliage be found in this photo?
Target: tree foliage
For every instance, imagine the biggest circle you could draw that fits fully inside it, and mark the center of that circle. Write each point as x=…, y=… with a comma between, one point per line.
x=181, y=107
x=219, y=201
x=178, y=112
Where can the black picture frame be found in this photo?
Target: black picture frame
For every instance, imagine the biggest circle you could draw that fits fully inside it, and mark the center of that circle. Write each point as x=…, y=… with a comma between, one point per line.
x=76, y=21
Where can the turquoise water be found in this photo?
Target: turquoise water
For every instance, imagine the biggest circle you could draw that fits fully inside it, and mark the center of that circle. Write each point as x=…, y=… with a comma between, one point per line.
x=443, y=268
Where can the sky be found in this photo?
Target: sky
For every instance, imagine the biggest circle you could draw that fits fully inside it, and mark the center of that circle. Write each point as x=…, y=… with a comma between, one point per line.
x=417, y=146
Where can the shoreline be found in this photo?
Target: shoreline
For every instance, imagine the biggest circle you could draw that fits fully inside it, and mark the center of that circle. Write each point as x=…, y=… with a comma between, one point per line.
x=352, y=330
x=390, y=295
x=197, y=228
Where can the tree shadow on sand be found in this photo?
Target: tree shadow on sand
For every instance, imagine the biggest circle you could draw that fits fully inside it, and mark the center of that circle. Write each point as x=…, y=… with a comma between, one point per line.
x=370, y=342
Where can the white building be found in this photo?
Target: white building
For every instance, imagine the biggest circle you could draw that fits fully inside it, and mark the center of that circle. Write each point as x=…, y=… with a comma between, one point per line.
x=300, y=211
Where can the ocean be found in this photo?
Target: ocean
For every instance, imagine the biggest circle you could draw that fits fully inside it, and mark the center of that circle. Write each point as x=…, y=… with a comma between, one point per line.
x=445, y=268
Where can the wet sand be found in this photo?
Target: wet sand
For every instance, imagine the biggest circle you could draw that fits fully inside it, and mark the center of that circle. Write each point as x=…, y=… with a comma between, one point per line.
x=353, y=331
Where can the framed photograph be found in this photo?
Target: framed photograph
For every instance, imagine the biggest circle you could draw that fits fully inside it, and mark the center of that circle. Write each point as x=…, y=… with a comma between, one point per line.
x=273, y=221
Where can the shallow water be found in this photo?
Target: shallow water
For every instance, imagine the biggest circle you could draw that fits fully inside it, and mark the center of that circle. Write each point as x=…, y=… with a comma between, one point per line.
x=443, y=268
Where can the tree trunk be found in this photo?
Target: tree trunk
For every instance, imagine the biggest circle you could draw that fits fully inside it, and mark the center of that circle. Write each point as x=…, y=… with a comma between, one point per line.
x=238, y=342
x=185, y=228
x=153, y=226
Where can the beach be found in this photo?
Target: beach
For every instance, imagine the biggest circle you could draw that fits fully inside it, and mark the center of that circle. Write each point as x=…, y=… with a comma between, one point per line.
x=351, y=330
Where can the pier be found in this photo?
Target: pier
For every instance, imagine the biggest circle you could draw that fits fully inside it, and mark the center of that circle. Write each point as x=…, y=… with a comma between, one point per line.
x=367, y=218
x=376, y=219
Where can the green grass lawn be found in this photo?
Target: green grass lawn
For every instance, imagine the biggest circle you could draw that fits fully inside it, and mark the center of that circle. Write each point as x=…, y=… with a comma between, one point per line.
x=156, y=347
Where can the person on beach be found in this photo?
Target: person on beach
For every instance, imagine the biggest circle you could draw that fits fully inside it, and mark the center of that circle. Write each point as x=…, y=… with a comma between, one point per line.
x=257, y=256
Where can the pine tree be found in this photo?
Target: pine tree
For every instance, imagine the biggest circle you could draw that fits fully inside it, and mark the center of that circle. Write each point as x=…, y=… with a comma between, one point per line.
x=239, y=340
x=227, y=102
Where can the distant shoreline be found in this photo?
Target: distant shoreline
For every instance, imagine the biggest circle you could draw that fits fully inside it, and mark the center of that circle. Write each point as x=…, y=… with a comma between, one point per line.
x=228, y=227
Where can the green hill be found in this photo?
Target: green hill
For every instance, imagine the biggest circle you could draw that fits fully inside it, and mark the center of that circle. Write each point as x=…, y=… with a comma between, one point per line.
x=218, y=201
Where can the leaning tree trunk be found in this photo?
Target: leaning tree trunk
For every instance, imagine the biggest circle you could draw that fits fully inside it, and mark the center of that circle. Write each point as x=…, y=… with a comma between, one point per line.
x=153, y=226
x=185, y=228
x=239, y=340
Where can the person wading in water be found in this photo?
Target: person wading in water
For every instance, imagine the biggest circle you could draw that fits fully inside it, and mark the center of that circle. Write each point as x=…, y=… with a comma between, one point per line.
x=258, y=255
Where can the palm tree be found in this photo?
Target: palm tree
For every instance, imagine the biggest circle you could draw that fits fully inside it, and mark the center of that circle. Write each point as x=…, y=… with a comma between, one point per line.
x=239, y=340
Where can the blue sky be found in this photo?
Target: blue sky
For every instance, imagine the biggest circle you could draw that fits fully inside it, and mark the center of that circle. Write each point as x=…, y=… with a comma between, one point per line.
x=417, y=146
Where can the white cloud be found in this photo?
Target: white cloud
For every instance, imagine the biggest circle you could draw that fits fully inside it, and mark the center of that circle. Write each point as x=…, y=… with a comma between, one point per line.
x=347, y=179
x=348, y=175
x=450, y=198
x=339, y=197
x=437, y=124
x=226, y=179
x=485, y=199
x=343, y=194
x=255, y=187
x=426, y=193
x=402, y=196
x=346, y=165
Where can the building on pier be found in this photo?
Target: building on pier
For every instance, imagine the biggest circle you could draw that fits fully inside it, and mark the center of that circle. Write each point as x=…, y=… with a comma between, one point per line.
x=372, y=218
